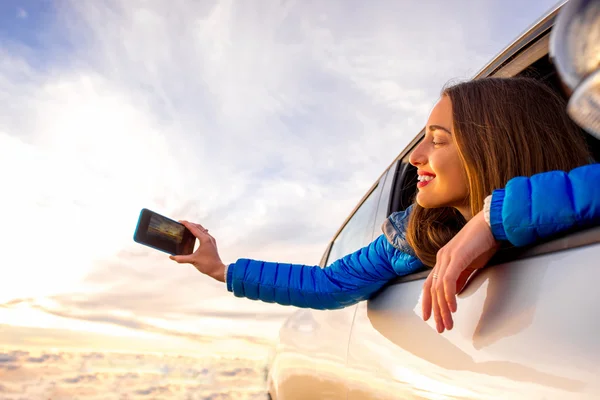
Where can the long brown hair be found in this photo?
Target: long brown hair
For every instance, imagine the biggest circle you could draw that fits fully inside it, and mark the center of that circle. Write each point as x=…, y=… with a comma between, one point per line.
x=503, y=127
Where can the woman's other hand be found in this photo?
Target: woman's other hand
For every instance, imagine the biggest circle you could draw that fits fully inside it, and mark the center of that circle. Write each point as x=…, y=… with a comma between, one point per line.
x=206, y=258
x=468, y=251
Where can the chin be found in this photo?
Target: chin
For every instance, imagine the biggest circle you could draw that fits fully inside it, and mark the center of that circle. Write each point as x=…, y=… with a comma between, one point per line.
x=426, y=201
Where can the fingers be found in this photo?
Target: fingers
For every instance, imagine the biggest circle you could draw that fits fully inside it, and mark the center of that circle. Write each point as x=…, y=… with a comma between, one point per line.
x=440, y=289
x=426, y=303
x=182, y=259
x=200, y=227
x=200, y=233
x=437, y=316
x=433, y=292
x=470, y=249
x=439, y=292
x=197, y=230
x=433, y=297
x=450, y=282
x=206, y=232
x=445, y=313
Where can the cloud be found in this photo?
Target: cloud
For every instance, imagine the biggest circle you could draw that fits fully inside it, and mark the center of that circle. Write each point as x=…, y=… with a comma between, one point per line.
x=266, y=123
x=88, y=378
x=58, y=341
x=153, y=390
x=44, y=358
x=76, y=375
x=21, y=13
x=8, y=358
x=162, y=322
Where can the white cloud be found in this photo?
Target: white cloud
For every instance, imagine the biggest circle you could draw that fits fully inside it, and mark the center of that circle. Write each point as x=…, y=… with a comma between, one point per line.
x=239, y=116
x=22, y=13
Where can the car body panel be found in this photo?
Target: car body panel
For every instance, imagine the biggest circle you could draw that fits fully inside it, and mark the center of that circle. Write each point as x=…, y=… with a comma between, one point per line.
x=522, y=331
x=306, y=368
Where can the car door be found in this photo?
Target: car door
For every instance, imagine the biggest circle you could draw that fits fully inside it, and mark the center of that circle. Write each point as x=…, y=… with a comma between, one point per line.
x=310, y=357
x=524, y=329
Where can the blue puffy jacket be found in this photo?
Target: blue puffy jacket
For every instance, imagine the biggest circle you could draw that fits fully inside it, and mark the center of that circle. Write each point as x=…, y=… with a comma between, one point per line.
x=526, y=210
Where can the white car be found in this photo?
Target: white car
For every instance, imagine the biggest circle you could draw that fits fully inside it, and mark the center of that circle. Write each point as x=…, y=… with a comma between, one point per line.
x=527, y=328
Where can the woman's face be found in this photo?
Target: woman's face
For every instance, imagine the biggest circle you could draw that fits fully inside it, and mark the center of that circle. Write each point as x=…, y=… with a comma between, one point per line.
x=442, y=178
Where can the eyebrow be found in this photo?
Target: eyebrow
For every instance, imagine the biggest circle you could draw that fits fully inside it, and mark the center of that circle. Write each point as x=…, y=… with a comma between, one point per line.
x=435, y=127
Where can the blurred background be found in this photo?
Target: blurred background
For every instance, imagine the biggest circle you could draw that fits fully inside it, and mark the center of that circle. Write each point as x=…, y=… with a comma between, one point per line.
x=264, y=121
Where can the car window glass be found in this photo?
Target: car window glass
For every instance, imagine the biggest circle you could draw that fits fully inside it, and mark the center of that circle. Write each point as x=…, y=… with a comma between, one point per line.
x=358, y=232
x=384, y=200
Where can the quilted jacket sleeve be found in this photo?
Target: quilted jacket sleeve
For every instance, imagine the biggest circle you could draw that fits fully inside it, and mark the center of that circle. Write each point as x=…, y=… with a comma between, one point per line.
x=346, y=281
x=529, y=209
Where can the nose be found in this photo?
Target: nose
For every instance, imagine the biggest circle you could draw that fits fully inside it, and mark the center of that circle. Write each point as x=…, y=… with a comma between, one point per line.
x=418, y=156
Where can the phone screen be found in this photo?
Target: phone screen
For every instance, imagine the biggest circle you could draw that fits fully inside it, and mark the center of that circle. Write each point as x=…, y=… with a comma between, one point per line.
x=164, y=234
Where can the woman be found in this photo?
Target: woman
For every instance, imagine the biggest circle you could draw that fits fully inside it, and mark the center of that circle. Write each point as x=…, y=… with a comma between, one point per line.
x=481, y=136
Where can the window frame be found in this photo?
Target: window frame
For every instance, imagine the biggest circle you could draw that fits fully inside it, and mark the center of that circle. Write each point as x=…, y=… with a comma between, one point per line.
x=374, y=188
x=386, y=183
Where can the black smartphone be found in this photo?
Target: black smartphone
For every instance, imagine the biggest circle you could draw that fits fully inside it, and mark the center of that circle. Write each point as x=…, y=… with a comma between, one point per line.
x=164, y=234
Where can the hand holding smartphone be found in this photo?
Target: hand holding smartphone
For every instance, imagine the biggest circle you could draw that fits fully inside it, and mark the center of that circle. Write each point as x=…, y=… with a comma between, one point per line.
x=164, y=234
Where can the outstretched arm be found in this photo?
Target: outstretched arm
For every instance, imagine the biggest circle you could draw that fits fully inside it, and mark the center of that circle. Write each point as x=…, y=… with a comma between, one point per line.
x=346, y=281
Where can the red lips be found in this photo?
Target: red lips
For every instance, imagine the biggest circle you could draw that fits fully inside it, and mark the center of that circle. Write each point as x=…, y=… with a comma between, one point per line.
x=424, y=173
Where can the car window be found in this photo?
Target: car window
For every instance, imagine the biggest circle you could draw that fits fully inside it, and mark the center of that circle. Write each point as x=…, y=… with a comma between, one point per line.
x=384, y=200
x=358, y=232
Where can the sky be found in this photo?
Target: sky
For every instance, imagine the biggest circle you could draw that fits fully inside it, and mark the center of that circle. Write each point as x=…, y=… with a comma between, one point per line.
x=266, y=122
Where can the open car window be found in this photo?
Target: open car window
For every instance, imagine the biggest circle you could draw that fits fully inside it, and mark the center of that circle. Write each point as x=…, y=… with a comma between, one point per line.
x=358, y=230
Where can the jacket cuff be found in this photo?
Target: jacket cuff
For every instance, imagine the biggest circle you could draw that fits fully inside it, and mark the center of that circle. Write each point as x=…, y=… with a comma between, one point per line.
x=229, y=276
x=486, y=209
x=496, y=215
